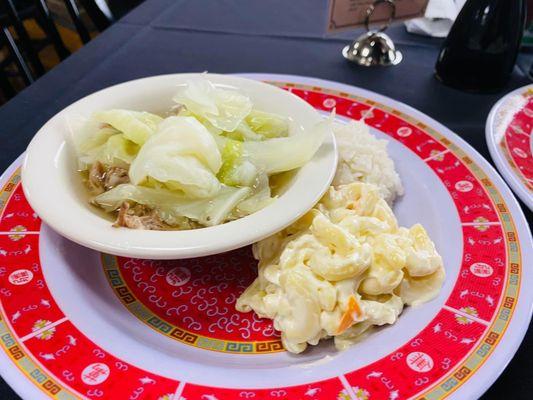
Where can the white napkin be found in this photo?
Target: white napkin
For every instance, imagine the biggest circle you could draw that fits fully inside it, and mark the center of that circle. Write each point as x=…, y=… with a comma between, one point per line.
x=438, y=18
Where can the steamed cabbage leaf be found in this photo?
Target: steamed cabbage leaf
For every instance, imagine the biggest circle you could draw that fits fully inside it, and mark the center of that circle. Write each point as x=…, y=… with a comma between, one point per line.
x=87, y=136
x=208, y=125
x=259, y=198
x=242, y=133
x=267, y=125
x=116, y=151
x=281, y=154
x=97, y=139
x=87, y=133
x=260, y=125
x=236, y=171
x=188, y=137
x=287, y=153
x=171, y=206
x=223, y=108
x=243, y=173
x=136, y=126
x=183, y=155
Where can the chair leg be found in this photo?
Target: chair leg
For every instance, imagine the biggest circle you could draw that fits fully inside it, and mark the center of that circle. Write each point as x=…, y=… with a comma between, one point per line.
x=74, y=13
x=23, y=36
x=102, y=18
x=17, y=55
x=5, y=86
x=51, y=30
x=120, y=7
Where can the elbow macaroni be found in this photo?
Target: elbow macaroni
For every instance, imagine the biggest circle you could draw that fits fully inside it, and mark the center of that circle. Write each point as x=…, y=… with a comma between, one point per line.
x=342, y=268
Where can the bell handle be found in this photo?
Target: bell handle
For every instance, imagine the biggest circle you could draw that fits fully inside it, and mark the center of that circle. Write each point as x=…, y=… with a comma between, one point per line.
x=373, y=7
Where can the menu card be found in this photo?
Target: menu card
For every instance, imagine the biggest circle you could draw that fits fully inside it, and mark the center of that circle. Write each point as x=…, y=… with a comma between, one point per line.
x=350, y=14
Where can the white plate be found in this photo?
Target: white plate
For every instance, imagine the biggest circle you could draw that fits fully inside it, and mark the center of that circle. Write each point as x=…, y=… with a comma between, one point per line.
x=508, y=134
x=79, y=324
x=55, y=191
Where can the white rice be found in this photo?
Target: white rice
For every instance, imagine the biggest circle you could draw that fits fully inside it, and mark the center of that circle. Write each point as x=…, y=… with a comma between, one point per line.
x=505, y=115
x=364, y=158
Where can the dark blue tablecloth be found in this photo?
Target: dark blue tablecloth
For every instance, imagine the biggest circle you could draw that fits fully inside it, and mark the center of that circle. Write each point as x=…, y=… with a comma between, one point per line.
x=275, y=36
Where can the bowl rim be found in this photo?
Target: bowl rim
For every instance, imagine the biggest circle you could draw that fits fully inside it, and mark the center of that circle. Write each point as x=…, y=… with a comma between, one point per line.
x=56, y=207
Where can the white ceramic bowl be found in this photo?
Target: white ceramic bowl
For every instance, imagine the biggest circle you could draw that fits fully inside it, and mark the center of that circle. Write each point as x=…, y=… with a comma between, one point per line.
x=54, y=189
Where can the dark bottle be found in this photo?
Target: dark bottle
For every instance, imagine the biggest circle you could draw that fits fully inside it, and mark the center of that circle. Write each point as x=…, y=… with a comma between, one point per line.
x=481, y=48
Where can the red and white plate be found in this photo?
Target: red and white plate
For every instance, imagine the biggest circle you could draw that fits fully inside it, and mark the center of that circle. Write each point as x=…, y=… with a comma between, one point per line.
x=510, y=140
x=78, y=324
